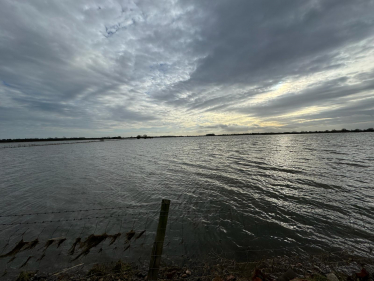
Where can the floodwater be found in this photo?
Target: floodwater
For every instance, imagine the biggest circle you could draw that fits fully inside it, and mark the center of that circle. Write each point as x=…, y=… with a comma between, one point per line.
x=241, y=196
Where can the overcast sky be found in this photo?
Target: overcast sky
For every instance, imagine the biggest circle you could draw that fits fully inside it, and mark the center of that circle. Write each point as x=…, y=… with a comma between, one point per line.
x=108, y=68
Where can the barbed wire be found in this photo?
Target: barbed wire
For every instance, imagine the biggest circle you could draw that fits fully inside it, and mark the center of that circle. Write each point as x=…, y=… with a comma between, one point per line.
x=53, y=142
x=73, y=211
x=61, y=220
x=200, y=211
x=183, y=230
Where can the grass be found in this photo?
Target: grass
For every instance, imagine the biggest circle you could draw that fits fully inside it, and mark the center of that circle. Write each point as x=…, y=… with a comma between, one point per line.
x=25, y=276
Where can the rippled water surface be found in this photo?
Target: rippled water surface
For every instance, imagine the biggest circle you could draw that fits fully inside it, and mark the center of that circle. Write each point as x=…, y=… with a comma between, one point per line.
x=233, y=192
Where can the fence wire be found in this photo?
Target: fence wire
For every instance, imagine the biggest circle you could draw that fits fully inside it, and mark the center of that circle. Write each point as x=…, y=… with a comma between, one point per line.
x=198, y=235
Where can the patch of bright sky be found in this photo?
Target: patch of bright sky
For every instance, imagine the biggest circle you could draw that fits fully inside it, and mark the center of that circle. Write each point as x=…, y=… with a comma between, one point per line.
x=310, y=120
x=309, y=110
x=292, y=85
x=163, y=73
x=211, y=119
x=354, y=63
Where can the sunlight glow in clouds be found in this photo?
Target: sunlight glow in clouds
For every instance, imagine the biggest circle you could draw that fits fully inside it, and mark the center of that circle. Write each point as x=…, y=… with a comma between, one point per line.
x=93, y=68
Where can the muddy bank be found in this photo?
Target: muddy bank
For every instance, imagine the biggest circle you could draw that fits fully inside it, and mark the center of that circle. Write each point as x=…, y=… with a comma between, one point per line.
x=327, y=267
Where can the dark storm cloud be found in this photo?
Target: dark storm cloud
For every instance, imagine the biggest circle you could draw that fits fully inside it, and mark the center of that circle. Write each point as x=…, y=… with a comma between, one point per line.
x=253, y=39
x=256, y=41
x=136, y=64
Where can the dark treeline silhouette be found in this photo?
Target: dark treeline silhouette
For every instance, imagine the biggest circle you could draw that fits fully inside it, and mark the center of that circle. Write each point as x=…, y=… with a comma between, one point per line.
x=173, y=136
x=266, y=133
x=144, y=137
x=306, y=132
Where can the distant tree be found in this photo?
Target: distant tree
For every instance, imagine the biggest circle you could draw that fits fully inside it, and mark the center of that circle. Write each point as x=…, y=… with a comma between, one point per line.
x=344, y=130
x=145, y=136
x=370, y=130
x=138, y=136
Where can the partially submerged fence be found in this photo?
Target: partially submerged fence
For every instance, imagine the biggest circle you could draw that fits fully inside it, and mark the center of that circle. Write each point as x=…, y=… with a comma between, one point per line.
x=188, y=235
x=32, y=144
x=54, y=240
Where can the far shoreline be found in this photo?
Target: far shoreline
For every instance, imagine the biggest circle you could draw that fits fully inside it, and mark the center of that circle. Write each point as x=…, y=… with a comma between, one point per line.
x=344, y=131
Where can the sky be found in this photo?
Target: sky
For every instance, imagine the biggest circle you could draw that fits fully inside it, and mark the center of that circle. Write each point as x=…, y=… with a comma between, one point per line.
x=123, y=68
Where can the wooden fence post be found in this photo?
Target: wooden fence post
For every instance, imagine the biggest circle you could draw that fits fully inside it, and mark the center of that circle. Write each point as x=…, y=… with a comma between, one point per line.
x=159, y=241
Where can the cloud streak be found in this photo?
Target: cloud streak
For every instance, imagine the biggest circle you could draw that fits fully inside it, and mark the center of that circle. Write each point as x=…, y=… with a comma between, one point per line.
x=123, y=67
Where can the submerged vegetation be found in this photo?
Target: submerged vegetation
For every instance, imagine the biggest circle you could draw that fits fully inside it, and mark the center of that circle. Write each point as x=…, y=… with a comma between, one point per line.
x=21, y=246
x=327, y=267
x=80, y=247
x=91, y=242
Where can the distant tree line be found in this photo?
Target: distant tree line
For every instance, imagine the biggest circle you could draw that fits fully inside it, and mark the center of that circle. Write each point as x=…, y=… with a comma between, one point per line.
x=306, y=132
x=143, y=137
x=172, y=136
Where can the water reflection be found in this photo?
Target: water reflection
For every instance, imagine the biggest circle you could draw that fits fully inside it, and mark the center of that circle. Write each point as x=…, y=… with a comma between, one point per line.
x=247, y=193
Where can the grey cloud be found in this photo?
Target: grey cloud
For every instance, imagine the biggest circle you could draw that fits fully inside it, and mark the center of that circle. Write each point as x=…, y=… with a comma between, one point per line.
x=121, y=113
x=255, y=41
x=257, y=38
x=220, y=128
x=94, y=64
x=49, y=107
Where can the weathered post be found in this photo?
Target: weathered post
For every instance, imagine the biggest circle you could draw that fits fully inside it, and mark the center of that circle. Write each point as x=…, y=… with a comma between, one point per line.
x=159, y=241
